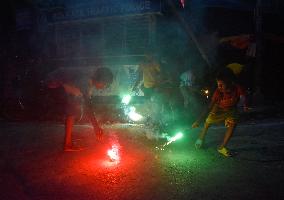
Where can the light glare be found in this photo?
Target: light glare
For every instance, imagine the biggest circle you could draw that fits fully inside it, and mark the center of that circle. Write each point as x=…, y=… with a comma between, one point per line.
x=126, y=99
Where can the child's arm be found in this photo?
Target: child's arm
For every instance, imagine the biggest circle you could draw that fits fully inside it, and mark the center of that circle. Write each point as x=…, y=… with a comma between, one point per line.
x=90, y=114
x=203, y=114
x=70, y=89
x=215, y=98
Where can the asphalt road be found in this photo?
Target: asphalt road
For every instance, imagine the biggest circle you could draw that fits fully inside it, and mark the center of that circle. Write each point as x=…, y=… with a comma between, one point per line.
x=33, y=165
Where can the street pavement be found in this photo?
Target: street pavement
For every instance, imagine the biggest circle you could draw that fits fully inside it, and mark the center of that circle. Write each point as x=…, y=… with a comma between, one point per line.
x=34, y=166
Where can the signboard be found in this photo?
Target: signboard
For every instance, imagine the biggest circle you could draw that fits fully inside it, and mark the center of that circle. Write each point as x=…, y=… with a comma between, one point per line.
x=79, y=10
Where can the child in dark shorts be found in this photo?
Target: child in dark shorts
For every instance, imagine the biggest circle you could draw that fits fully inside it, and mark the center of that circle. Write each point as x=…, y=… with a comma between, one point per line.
x=223, y=108
x=78, y=85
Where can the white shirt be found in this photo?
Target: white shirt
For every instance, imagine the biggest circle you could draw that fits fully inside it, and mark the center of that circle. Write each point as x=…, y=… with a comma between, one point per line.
x=187, y=78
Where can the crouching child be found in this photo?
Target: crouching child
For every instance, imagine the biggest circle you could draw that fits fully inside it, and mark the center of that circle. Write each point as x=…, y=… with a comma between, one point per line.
x=78, y=85
x=222, y=108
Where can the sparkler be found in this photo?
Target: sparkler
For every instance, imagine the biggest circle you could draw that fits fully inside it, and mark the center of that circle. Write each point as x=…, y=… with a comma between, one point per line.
x=133, y=115
x=126, y=99
x=130, y=111
x=182, y=3
x=113, y=153
x=170, y=140
x=205, y=92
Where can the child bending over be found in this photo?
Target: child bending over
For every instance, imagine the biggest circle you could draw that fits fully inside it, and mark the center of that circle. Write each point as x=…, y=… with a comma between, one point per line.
x=223, y=108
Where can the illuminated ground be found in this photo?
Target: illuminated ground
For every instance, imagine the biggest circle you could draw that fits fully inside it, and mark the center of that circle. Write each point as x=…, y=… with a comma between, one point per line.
x=33, y=166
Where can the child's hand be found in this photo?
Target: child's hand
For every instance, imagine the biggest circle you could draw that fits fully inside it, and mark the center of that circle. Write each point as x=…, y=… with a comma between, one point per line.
x=195, y=125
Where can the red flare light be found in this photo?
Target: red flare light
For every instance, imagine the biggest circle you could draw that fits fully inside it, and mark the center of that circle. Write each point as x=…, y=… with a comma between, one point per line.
x=113, y=153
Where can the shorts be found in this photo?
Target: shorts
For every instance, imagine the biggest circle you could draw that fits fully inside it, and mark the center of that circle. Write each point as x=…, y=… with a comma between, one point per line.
x=229, y=117
x=73, y=106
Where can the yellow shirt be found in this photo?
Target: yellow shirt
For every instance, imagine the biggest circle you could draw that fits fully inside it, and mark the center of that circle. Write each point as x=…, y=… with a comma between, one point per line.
x=236, y=68
x=150, y=74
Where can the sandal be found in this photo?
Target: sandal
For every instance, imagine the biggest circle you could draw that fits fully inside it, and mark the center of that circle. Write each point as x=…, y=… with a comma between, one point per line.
x=225, y=152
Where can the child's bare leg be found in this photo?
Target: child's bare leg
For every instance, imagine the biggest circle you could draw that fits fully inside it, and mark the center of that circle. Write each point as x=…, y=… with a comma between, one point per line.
x=69, y=121
x=199, y=141
x=228, y=135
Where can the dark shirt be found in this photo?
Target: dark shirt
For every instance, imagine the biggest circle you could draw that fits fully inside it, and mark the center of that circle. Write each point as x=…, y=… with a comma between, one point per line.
x=78, y=78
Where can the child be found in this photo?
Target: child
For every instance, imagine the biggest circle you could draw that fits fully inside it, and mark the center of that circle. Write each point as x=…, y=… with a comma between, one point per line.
x=223, y=107
x=149, y=72
x=190, y=92
x=78, y=85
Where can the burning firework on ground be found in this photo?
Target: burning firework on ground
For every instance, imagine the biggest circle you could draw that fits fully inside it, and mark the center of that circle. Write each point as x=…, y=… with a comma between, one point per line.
x=130, y=111
x=170, y=140
x=126, y=99
x=113, y=153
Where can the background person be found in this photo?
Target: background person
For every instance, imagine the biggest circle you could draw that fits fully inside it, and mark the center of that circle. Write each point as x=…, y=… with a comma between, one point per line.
x=149, y=73
x=190, y=92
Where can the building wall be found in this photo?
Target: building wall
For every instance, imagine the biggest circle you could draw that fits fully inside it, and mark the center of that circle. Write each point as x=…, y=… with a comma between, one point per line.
x=105, y=40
